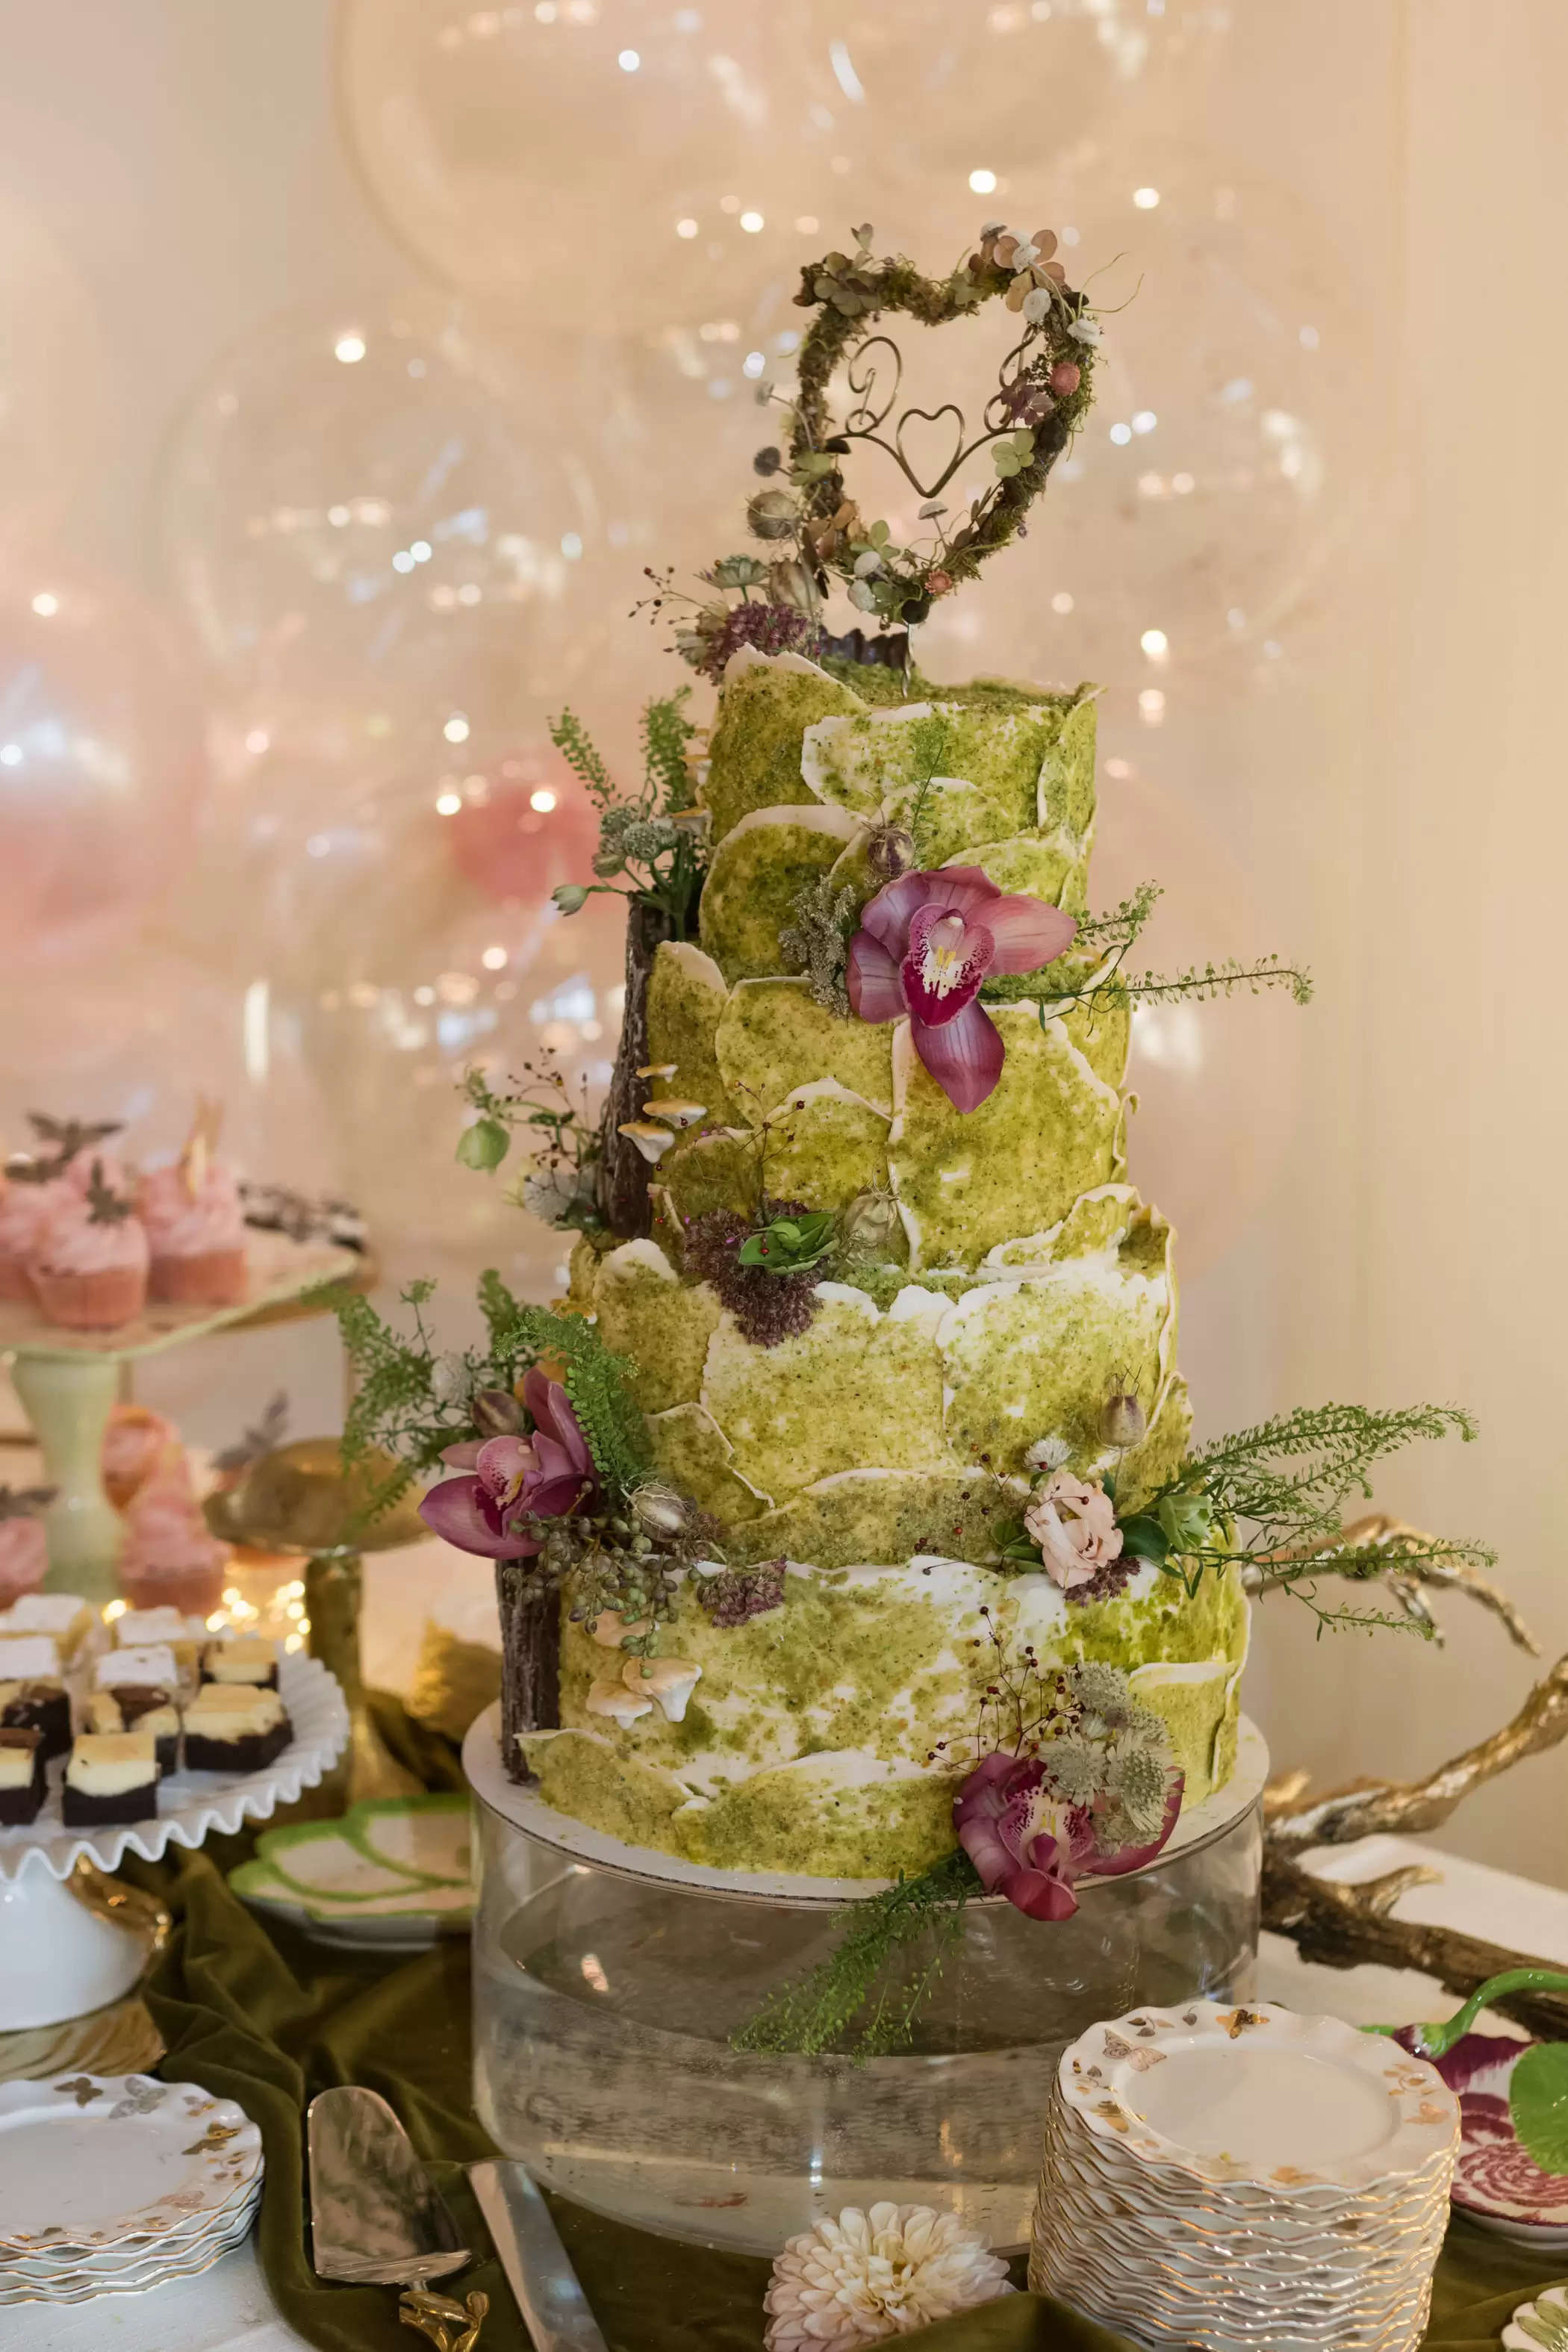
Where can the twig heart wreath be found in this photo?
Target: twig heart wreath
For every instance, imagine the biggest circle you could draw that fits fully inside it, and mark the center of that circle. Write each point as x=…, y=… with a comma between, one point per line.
x=1044, y=388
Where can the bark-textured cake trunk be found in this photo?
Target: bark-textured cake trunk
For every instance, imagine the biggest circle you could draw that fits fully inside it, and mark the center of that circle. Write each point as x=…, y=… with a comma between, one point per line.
x=623, y=1170
x=530, y=1658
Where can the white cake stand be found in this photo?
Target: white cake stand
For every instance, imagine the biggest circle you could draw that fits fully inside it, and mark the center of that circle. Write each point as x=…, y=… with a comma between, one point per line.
x=58, y=1957
x=68, y=1380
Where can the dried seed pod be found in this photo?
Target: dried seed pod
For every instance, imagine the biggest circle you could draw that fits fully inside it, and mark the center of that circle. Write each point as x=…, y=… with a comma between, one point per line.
x=1122, y=1420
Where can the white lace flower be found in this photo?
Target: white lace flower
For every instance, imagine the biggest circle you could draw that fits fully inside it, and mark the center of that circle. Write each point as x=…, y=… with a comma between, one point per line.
x=451, y=1382
x=867, y=2276
x=1048, y=1453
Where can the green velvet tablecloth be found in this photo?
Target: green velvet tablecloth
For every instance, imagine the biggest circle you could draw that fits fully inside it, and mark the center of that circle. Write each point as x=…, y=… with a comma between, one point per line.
x=266, y=2017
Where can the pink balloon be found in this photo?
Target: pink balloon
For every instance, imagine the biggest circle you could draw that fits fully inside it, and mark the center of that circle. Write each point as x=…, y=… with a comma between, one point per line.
x=525, y=824
x=100, y=759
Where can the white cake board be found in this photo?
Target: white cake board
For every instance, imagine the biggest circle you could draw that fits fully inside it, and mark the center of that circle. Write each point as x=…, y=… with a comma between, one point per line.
x=1198, y=1826
x=59, y=1958
x=67, y=1382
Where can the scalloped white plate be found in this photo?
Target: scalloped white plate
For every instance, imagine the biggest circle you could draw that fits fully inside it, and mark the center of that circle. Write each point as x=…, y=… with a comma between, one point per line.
x=194, y=1804
x=1258, y=2096
x=1196, y=1827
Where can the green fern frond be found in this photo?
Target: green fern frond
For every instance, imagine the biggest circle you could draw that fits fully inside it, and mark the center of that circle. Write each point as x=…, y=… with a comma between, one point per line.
x=595, y=1378
x=819, y=2011
x=665, y=732
x=577, y=747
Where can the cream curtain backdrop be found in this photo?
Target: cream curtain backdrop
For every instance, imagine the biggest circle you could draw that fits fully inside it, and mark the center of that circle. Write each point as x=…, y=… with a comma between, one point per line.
x=1390, y=788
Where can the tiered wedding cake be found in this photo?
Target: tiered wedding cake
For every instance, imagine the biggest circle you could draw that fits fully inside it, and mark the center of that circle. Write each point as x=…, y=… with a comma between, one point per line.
x=1001, y=1303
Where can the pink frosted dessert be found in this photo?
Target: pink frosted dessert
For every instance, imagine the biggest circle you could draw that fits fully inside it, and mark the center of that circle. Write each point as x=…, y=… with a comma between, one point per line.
x=24, y=1549
x=195, y=1233
x=89, y=1267
x=25, y=1209
x=169, y=1556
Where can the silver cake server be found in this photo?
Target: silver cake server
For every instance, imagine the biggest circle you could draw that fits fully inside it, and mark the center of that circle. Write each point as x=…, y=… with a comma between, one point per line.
x=376, y=2217
x=539, y=2272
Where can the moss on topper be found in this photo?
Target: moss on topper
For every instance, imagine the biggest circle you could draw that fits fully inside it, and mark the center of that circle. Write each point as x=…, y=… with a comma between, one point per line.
x=965, y=1180
x=883, y=1515
x=775, y=1037
x=856, y=1387
x=686, y=997
x=658, y=1323
x=692, y=1452
x=754, y=756
x=758, y=871
x=1039, y=1359
x=824, y=1146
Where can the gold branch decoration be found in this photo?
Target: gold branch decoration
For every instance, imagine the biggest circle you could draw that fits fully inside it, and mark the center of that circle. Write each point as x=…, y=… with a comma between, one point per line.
x=1342, y=1926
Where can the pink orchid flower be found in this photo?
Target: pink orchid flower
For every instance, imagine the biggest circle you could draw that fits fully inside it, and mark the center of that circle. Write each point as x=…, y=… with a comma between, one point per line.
x=1027, y=1845
x=509, y=1479
x=925, y=944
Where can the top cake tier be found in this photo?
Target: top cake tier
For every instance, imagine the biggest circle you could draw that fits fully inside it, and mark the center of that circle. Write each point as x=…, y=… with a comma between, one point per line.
x=990, y=776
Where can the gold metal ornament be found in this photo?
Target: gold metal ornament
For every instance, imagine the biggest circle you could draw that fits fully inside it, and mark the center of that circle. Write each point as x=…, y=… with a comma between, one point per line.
x=451, y=2327
x=300, y=1499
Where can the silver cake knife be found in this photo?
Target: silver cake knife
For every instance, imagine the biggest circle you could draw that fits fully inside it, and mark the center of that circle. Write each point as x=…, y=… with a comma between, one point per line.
x=538, y=2269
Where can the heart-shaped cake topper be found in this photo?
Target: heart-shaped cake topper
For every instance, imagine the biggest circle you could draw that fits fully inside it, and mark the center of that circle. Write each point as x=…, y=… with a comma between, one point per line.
x=1043, y=391
x=812, y=527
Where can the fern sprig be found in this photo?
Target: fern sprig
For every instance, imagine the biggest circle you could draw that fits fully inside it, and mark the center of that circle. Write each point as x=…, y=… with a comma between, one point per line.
x=593, y=1375
x=819, y=2011
x=577, y=748
x=665, y=732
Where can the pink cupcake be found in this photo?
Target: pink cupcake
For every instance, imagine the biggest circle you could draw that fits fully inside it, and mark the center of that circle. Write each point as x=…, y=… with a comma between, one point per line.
x=89, y=1267
x=170, y=1558
x=24, y=1549
x=26, y=1205
x=196, y=1225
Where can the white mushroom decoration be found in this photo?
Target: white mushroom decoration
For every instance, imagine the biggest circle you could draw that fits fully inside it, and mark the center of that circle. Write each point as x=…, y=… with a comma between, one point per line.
x=621, y=1704
x=668, y=1681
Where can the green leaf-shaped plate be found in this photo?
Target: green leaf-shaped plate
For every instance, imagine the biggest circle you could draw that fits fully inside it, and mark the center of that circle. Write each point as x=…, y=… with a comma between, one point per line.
x=391, y=1871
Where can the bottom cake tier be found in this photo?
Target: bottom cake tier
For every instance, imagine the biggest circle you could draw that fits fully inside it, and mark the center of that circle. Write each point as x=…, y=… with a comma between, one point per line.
x=606, y=1993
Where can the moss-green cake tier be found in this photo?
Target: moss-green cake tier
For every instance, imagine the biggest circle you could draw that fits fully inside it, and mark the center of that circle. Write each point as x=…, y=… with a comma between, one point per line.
x=876, y=1453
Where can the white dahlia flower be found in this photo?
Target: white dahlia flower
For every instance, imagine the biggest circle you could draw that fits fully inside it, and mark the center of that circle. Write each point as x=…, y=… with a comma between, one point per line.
x=867, y=2276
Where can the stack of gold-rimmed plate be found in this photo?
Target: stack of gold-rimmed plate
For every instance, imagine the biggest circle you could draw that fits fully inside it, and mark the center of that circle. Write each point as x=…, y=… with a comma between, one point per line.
x=1244, y=2180
x=112, y=2184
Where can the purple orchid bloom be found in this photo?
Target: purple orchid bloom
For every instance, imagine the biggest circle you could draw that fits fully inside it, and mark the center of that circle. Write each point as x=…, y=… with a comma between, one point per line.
x=1027, y=1845
x=510, y=1479
x=925, y=944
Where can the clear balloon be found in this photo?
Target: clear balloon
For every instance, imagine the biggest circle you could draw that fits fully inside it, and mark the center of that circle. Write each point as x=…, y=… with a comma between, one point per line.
x=367, y=507
x=434, y=977
x=102, y=762
x=53, y=379
x=1219, y=1084
x=966, y=97
x=613, y=159
x=1225, y=460
x=136, y=1036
